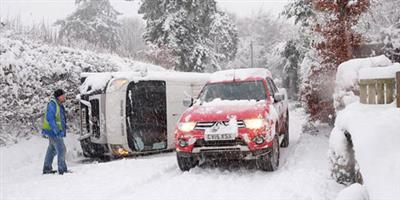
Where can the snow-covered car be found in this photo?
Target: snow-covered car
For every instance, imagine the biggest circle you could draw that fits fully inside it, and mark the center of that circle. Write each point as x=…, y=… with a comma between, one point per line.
x=239, y=114
x=125, y=113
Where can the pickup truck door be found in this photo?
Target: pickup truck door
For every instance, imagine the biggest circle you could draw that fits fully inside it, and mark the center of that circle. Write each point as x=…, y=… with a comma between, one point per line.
x=279, y=105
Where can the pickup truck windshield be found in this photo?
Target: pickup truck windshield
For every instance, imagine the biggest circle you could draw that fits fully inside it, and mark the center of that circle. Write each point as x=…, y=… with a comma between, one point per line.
x=245, y=90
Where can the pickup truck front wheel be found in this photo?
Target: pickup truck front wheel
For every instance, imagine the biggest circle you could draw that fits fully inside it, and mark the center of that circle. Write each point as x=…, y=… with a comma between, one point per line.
x=186, y=162
x=270, y=161
x=285, y=141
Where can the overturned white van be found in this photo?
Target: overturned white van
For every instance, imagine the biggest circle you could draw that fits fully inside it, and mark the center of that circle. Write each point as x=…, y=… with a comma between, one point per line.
x=128, y=113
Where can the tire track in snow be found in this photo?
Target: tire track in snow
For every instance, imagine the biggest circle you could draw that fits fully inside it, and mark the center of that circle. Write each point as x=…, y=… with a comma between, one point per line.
x=168, y=169
x=297, y=119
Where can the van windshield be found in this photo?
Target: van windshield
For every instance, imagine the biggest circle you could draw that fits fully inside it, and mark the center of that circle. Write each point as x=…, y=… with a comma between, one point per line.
x=244, y=90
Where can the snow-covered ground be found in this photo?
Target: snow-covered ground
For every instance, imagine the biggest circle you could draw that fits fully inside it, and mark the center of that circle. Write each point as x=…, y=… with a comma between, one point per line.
x=303, y=174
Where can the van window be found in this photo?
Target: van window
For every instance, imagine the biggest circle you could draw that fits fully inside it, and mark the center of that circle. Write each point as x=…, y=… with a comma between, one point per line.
x=146, y=115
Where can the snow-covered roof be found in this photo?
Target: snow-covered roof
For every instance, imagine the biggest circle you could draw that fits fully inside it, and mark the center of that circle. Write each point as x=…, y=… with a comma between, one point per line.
x=380, y=72
x=240, y=74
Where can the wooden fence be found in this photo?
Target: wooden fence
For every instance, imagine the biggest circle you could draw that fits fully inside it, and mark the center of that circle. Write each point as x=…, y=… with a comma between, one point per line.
x=398, y=88
x=380, y=91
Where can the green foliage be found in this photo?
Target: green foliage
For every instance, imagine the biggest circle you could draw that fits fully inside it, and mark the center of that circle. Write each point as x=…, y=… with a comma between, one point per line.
x=197, y=35
x=302, y=12
x=94, y=21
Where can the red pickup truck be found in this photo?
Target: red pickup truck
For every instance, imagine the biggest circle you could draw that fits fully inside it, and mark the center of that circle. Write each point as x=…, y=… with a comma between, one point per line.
x=239, y=114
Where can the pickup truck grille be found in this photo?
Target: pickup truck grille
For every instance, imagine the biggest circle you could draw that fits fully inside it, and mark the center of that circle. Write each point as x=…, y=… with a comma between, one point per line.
x=205, y=125
x=220, y=143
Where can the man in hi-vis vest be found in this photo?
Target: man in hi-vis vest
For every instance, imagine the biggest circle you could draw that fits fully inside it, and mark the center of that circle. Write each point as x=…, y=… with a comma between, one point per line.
x=54, y=127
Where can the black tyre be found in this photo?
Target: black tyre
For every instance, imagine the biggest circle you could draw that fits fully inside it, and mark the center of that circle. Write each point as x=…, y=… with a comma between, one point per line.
x=92, y=150
x=270, y=162
x=285, y=141
x=186, y=163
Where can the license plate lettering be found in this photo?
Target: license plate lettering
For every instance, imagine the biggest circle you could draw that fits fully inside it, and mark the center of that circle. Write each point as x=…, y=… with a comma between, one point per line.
x=225, y=136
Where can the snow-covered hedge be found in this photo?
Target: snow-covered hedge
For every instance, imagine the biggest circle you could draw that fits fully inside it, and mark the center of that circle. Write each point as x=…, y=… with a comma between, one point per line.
x=30, y=71
x=375, y=133
x=366, y=138
x=343, y=165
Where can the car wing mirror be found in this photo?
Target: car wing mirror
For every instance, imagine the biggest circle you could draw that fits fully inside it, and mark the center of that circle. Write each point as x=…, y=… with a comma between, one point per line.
x=278, y=97
x=187, y=102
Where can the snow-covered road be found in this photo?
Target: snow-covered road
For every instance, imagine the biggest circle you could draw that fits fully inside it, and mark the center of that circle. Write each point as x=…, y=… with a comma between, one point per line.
x=303, y=174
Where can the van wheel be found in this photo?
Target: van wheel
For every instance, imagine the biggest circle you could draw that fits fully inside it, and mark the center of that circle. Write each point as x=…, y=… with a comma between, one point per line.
x=285, y=141
x=186, y=163
x=92, y=150
x=270, y=162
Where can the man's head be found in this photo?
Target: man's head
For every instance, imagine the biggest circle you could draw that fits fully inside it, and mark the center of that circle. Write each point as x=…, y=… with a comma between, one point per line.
x=59, y=95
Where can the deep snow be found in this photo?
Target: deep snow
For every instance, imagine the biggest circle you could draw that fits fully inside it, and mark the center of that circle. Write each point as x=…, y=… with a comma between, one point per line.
x=375, y=134
x=302, y=174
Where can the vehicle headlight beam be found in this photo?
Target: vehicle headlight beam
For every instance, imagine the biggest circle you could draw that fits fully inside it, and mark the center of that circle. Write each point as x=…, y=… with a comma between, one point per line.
x=186, y=126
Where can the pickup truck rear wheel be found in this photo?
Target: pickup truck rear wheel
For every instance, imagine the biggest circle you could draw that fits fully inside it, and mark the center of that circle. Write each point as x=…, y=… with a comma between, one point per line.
x=270, y=162
x=186, y=163
x=285, y=141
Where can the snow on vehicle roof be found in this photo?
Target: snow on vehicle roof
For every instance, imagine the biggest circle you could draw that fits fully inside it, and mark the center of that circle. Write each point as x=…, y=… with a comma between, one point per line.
x=240, y=74
x=380, y=72
x=97, y=81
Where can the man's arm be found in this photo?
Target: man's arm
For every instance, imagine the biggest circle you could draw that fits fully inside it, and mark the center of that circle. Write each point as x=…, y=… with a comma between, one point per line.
x=63, y=120
x=51, y=117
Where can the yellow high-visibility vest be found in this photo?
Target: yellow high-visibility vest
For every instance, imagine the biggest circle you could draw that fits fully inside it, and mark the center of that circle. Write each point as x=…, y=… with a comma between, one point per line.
x=46, y=124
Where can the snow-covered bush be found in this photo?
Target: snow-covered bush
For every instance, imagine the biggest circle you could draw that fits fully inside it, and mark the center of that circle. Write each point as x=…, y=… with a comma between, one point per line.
x=343, y=165
x=315, y=101
x=31, y=71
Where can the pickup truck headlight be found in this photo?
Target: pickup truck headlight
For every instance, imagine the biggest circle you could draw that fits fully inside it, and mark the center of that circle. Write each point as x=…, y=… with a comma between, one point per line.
x=259, y=139
x=182, y=142
x=186, y=126
x=256, y=123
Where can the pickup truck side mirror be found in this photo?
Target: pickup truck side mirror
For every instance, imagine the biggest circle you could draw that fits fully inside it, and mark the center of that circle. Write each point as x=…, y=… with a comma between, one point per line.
x=187, y=102
x=278, y=97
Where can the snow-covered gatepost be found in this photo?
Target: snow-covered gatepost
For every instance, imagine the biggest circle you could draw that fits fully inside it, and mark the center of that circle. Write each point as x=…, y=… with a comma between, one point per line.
x=398, y=88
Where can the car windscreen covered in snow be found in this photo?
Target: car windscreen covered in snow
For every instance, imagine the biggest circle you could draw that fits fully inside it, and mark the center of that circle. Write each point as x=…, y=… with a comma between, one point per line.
x=241, y=90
